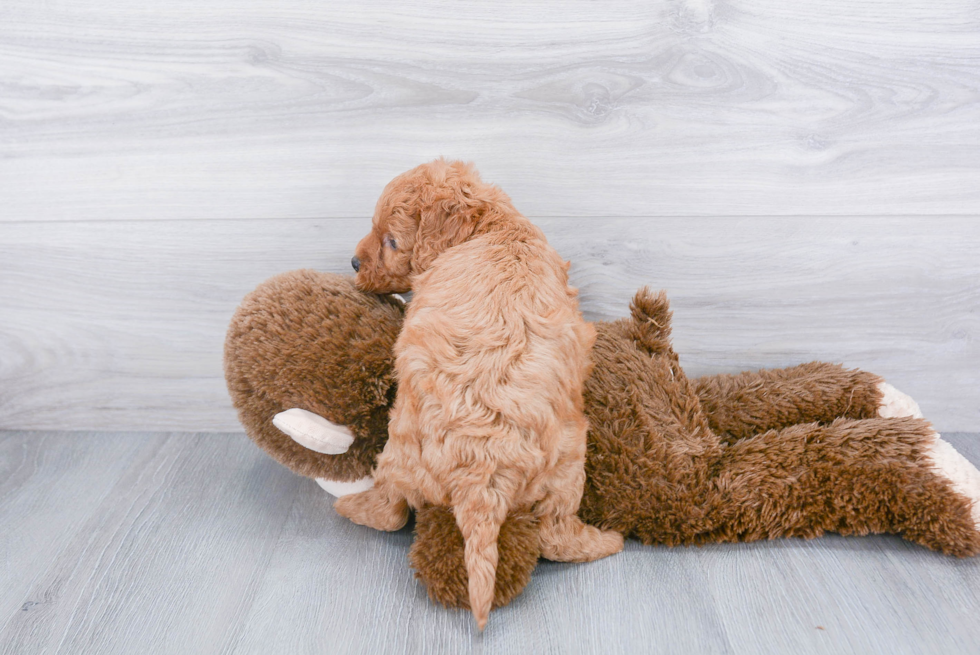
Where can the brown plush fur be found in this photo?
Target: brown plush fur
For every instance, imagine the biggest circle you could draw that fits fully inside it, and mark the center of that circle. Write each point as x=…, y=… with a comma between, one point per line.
x=313, y=341
x=747, y=404
x=491, y=363
x=677, y=461
x=438, y=547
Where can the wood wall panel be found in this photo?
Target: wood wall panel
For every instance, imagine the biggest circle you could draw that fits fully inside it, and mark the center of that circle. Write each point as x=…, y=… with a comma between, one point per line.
x=297, y=109
x=119, y=325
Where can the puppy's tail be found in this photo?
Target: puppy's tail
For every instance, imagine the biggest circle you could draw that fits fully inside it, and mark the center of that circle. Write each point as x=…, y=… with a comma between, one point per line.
x=479, y=518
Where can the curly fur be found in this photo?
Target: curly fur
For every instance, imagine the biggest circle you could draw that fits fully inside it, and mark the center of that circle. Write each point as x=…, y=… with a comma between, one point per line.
x=491, y=363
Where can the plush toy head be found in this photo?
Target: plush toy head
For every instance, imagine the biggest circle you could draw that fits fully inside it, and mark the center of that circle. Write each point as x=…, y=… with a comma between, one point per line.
x=313, y=341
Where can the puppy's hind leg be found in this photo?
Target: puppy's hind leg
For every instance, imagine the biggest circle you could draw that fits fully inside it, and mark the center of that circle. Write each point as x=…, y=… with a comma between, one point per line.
x=564, y=538
x=567, y=539
x=384, y=506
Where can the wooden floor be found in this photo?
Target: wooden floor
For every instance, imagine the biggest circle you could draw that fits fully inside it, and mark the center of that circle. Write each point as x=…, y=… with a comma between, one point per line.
x=198, y=543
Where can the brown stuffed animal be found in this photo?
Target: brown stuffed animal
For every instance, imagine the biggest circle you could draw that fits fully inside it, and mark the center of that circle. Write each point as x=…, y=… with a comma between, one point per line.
x=778, y=453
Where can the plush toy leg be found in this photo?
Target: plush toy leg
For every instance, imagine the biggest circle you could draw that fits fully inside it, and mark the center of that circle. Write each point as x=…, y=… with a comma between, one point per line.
x=743, y=405
x=852, y=477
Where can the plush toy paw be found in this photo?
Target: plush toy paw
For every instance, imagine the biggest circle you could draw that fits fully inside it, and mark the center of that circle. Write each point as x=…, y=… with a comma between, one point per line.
x=337, y=488
x=963, y=475
x=895, y=404
x=313, y=431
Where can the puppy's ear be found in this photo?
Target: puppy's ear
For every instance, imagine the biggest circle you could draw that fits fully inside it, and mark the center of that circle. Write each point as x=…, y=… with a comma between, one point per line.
x=450, y=215
x=440, y=228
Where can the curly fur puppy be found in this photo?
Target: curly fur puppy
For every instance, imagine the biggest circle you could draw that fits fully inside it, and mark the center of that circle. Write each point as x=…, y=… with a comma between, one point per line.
x=491, y=364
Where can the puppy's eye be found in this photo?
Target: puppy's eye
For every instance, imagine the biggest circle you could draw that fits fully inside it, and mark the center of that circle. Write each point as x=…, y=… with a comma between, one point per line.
x=390, y=242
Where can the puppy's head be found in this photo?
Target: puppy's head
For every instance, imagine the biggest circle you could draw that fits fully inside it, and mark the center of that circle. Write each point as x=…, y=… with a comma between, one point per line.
x=420, y=214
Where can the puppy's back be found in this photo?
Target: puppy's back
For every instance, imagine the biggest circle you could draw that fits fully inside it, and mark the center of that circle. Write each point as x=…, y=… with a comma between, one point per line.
x=500, y=322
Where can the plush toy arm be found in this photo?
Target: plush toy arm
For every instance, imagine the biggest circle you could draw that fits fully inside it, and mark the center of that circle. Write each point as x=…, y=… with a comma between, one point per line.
x=742, y=405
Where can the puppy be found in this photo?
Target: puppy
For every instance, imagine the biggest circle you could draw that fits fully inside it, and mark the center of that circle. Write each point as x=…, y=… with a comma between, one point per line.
x=490, y=363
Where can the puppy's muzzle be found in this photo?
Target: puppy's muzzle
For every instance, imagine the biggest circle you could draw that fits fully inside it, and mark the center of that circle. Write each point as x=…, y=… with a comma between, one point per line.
x=356, y=263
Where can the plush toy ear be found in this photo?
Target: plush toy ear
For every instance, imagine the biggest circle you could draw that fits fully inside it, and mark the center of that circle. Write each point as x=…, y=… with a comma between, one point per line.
x=437, y=556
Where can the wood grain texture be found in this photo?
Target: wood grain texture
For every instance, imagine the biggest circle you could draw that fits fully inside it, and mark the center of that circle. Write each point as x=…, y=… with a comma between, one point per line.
x=120, y=326
x=245, y=109
x=164, y=563
x=50, y=485
x=184, y=543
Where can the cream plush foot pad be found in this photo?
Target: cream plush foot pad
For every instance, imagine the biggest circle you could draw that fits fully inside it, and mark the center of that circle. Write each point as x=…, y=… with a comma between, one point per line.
x=958, y=470
x=895, y=404
x=313, y=431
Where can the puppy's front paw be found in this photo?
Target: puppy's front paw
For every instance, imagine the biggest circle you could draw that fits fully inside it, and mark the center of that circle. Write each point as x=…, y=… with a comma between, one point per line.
x=895, y=404
x=374, y=509
x=313, y=431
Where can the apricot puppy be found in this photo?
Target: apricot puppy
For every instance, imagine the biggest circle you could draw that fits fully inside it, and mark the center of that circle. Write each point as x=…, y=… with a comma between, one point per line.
x=491, y=363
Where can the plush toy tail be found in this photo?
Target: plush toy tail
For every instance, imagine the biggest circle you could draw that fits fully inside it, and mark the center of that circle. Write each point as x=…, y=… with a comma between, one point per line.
x=479, y=518
x=651, y=320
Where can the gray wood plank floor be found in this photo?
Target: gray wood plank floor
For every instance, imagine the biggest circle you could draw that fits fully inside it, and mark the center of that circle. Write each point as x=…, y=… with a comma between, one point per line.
x=190, y=543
